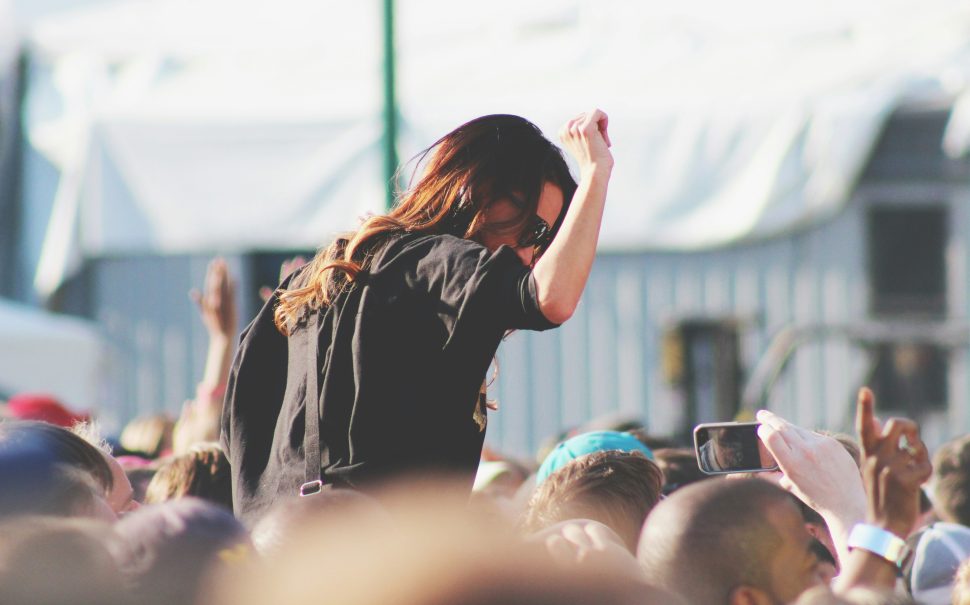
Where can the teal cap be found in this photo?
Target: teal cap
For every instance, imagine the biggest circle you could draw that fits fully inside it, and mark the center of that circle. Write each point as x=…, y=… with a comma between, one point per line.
x=587, y=443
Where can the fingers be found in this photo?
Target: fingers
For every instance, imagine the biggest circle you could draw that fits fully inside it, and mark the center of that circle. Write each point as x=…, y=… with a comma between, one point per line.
x=902, y=446
x=602, y=537
x=230, y=290
x=586, y=126
x=561, y=551
x=780, y=436
x=291, y=265
x=576, y=534
x=216, y=276
x=865, y=425
x=774, y=441
x=602, y=124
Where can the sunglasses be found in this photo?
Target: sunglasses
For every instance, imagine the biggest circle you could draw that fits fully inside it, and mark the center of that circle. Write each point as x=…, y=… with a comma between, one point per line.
x=537, y=234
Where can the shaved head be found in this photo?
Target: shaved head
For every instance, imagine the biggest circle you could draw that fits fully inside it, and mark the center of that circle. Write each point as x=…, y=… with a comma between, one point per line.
x=711, y=537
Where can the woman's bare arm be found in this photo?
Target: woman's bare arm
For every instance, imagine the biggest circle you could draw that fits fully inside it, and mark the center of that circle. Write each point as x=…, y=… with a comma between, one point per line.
x=562, y=271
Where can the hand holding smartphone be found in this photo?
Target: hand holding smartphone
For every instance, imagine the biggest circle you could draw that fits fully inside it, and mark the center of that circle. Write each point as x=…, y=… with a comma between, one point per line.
x=731, y=447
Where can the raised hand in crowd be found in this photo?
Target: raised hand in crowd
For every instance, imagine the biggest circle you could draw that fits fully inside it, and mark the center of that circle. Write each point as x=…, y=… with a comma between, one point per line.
x=895, y=464
x=217, y=302
x=288, y=266
x=199, y=420
x=584, y=542
x=819, y=471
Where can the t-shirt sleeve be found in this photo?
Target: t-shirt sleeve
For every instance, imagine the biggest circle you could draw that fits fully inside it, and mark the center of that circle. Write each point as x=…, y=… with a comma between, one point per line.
x=472, y=283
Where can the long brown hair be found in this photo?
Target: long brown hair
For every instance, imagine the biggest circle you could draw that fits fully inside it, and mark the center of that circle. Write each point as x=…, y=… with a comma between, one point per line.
x=487, y=159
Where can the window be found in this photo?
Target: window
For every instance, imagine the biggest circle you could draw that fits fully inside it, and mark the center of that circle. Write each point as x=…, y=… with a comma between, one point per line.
x=907, y=279
x=907, y=272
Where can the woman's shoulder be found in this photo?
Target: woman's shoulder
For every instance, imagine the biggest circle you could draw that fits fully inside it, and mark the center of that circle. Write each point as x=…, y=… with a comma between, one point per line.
x=415, y=247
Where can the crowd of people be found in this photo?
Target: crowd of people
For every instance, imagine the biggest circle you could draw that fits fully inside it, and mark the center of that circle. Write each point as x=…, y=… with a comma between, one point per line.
x=390, y=496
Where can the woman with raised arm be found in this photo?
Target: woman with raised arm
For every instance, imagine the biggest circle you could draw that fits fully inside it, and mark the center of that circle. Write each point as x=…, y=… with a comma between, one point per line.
x=400, y=320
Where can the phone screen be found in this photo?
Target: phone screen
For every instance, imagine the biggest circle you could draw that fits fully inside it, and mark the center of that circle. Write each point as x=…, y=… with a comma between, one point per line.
x=731, y=447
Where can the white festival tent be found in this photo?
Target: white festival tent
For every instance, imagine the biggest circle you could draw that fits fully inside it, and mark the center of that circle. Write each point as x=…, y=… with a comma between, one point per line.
x=200, y=125
x=42, y=352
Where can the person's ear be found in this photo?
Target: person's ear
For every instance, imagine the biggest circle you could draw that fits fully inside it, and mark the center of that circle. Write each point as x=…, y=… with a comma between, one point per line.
x=813, y=530
x=748, y=595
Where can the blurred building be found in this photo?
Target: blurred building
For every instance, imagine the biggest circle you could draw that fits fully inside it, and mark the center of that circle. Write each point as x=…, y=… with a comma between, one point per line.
x=786, y=219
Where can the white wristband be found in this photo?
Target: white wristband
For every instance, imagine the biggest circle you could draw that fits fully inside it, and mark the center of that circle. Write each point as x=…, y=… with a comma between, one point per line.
x=880, y=542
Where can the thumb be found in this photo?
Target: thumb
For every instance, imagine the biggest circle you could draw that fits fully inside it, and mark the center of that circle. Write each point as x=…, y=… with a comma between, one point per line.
x=603, y=126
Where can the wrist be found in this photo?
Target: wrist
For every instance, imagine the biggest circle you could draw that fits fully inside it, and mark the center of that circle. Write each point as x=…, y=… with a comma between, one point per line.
x=844, y=518
x=220, y=338
x=879, y=541
x=840, y=526
x=210, y=391
x=598, y=169
x=900, y=525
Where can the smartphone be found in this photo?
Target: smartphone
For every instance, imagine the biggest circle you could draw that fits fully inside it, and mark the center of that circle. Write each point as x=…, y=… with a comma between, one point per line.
x=731, y=447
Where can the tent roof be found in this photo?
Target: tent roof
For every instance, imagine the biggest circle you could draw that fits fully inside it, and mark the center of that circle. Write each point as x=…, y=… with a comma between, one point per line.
x=729, y=120
x=47, y=353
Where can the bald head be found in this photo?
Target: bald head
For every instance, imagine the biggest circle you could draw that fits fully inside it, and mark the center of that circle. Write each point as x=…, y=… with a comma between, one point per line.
x=710, y=537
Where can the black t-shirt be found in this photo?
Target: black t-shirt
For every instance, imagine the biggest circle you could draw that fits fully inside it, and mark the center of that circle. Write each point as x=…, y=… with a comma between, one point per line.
x=402, y=355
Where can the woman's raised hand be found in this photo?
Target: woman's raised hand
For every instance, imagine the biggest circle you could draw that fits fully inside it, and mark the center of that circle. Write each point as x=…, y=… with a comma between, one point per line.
x=586, y=138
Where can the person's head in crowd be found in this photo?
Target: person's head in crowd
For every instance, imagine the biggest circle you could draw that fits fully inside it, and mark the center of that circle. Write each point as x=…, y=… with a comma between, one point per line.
x=288, y=518
x=202, y=472
x=951, y=481
x=679, y=466
x=961, y=584
x=149, y=436
x=167, y=550
x=729, y=543
x=33, y=484
x=587, y=443
x=437, y=554
x=48, y=469
x=938, y=551
x=52, y=561
x=121, y=495
x=45, y=408
x=614, y=487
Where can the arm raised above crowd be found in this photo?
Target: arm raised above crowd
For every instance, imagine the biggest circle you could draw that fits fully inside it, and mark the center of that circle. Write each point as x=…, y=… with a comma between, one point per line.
x=217, y=308
x=561, y=272
x=895, y=464
x=820, y=472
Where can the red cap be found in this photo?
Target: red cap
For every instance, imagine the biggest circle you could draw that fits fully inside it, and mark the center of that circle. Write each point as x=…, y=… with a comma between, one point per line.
x=29, y=406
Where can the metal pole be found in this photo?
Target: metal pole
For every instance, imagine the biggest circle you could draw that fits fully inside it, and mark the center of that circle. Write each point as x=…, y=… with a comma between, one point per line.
x=390, y=106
